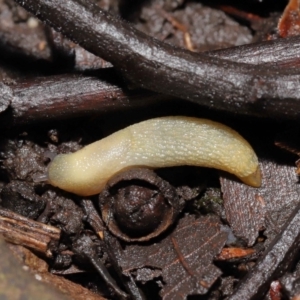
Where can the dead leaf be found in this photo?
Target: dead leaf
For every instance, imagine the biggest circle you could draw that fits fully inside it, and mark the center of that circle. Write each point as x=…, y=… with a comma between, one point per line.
x=230, y=253
x=184, y=257
x=275, y=290
x=248, y=208
x=289, y=23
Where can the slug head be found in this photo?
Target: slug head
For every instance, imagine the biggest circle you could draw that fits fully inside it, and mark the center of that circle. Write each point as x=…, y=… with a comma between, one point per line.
x=62, y=173
x=71, y=174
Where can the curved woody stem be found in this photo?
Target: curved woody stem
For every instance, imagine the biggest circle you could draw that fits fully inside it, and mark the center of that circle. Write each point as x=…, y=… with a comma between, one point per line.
x=240, y=88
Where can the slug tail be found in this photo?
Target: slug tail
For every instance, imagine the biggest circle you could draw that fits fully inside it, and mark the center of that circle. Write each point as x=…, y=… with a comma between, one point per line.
x=253, y=179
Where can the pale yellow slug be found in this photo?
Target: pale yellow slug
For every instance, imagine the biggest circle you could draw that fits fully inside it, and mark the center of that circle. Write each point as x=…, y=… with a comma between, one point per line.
x=156, y=143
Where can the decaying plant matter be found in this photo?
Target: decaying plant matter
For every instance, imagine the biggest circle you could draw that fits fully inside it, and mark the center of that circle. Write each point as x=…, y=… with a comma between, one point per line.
x=168, y=233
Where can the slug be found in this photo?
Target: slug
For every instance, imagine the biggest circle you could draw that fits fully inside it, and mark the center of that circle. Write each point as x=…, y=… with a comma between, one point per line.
x=156, y=143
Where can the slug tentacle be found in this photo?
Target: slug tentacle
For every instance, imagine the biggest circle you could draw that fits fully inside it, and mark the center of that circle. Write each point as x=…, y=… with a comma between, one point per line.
x=155, y=143
x=40, y=178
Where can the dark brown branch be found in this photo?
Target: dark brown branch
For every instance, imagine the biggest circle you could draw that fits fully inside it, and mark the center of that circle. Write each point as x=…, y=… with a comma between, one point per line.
x=67, y=96
x=151, y=64
x=280, y=52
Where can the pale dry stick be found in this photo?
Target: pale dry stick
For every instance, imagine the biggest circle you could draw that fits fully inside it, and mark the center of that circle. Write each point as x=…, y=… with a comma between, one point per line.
x=20, y=230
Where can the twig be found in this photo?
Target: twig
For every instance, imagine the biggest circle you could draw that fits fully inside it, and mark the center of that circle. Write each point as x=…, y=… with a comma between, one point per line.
x=114, y=251
x=151, y=64
x=92, y=217
x=280, y=53
x=84, y=246
x=68, y=96
x=23, y=231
